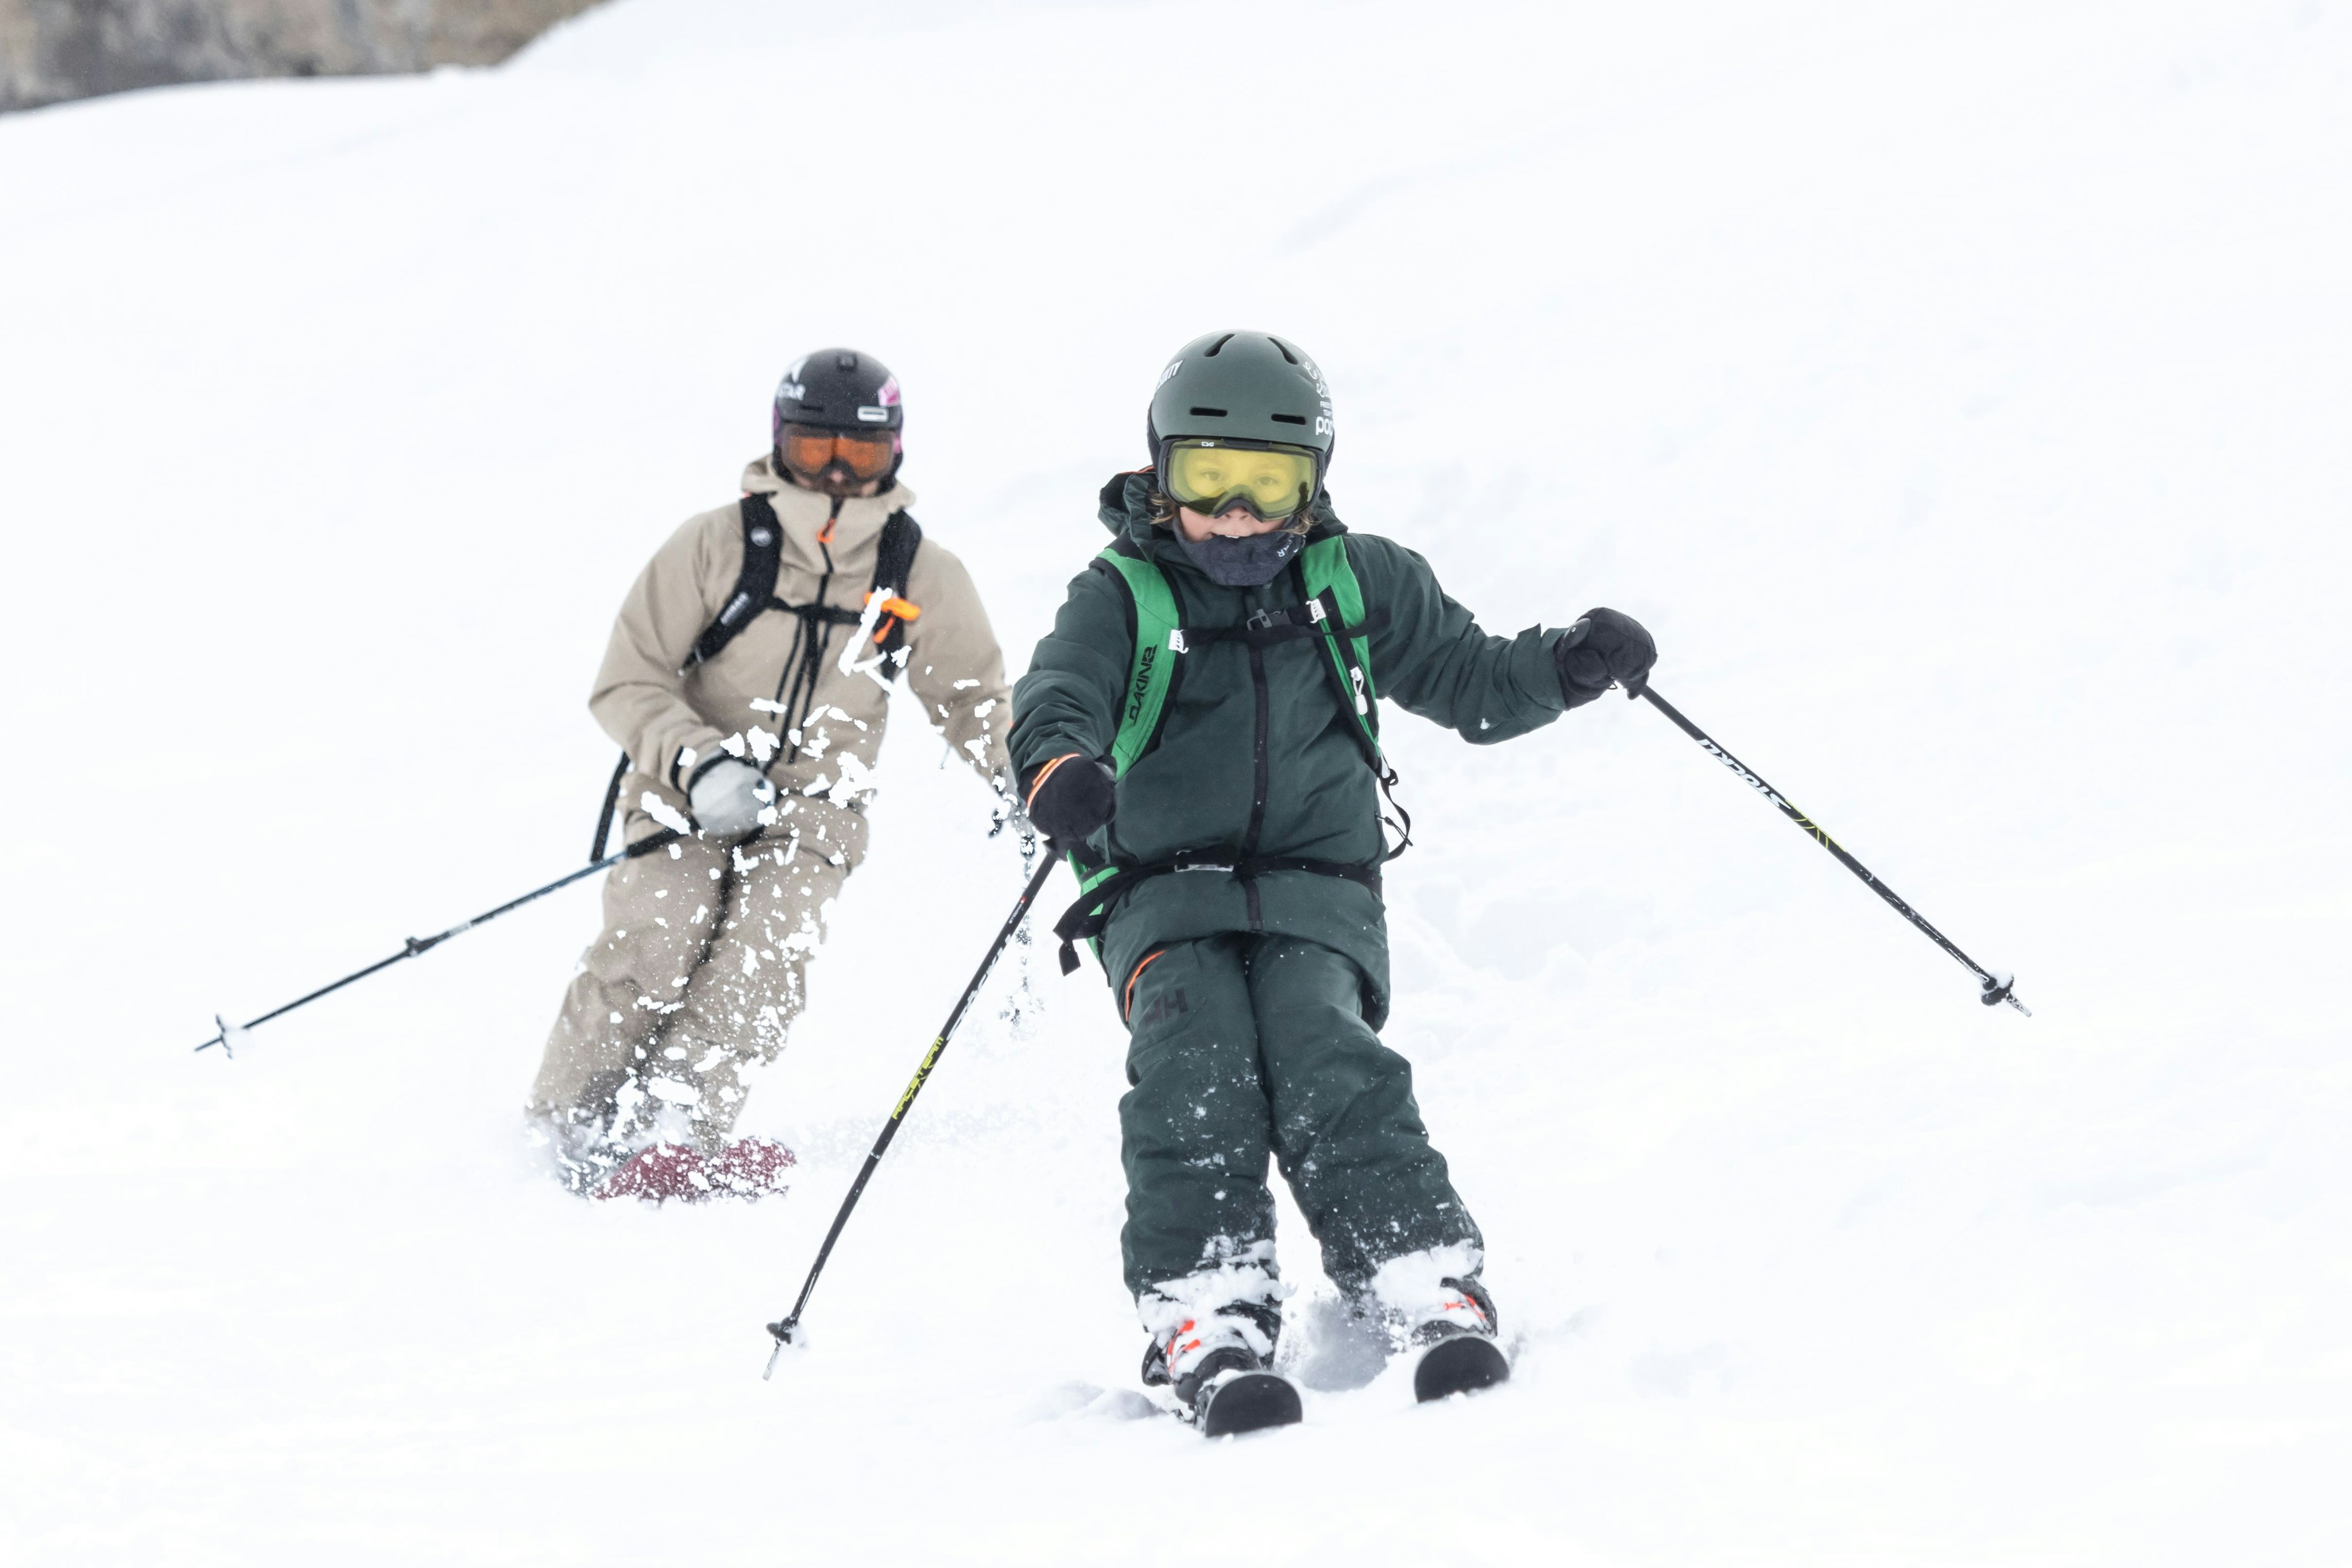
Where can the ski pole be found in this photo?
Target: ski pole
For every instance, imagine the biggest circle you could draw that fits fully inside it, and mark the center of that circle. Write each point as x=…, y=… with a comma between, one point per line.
x=426, y=944
x=785, y=1328
x=1996, y=988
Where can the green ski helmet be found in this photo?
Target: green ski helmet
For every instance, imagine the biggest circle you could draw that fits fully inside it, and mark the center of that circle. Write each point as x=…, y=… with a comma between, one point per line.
x=1250, y=389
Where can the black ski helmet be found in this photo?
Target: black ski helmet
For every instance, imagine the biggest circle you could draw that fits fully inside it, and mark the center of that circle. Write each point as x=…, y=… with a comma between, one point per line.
x=1246, y=386
x=840, y=388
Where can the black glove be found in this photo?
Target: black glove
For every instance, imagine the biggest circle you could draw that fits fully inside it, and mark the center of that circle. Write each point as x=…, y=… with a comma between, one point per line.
x=1070, y=797
x=1601, y=647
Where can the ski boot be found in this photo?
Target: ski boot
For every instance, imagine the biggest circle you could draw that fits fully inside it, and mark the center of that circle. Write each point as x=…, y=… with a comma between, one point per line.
x=1222, y=1382
x=1458, y=1332
x=578, y=1150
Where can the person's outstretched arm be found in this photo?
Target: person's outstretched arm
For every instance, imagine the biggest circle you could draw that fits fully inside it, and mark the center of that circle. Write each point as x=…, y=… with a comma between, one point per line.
x=954, y=666
x=639, y=699
x=1433, y=659
x=1068, y=702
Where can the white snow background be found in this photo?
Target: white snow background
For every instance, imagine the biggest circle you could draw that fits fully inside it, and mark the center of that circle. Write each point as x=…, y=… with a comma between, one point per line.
x=1959, y=392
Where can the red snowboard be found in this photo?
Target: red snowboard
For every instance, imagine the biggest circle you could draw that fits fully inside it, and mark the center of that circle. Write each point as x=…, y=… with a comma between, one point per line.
x=748, y=1168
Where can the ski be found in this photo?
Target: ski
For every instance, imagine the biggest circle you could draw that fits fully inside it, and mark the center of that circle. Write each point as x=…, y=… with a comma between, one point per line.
x=1459, y=1363
x=1237, y=1402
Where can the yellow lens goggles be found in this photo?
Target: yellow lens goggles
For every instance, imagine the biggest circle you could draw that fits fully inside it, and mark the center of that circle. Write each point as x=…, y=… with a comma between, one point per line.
x=1213, y=476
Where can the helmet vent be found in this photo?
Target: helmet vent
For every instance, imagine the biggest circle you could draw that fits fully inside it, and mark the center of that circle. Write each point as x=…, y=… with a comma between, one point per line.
x=1211, y=412
x=1289, y=418
x=1287, y=357
x=1218, y=344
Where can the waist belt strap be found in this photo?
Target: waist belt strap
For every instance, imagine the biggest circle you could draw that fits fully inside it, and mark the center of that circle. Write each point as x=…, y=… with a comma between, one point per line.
x=1084, y=920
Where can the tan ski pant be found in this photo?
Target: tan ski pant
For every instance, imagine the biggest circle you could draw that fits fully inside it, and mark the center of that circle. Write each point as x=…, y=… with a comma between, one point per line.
x=697, y=977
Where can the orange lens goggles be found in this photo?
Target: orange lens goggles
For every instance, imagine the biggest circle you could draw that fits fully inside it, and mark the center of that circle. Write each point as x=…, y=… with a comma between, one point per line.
x=809, y=451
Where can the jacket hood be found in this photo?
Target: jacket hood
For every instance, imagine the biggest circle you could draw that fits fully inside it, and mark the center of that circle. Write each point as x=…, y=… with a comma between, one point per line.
x=856, y=531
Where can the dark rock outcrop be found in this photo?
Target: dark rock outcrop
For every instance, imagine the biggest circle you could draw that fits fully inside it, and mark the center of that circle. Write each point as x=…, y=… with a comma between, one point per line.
x=52, y=50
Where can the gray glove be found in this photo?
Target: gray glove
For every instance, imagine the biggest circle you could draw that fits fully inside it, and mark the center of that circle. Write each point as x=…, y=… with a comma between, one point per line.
x=727, y=795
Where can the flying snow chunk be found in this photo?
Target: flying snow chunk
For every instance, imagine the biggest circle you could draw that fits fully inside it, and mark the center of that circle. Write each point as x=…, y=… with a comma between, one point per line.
x=652, y=805
x=672, y=1091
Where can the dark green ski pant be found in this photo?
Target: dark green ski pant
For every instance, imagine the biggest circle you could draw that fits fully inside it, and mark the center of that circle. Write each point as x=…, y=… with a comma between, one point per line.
x=1244, y=1046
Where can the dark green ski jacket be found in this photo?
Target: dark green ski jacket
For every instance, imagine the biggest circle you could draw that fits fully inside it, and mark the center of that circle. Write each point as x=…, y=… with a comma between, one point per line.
x=1256, y=757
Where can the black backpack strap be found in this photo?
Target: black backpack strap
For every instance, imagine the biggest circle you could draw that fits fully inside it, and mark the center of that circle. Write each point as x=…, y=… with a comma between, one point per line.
x=755, y=586
x=894, y=561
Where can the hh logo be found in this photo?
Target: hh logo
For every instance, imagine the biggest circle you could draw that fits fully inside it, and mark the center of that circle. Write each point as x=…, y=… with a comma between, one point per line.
x=1164, y=1006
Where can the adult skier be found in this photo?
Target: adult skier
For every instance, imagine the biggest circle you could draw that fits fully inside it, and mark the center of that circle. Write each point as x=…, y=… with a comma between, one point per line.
x=752, y=710
x=1199, y=732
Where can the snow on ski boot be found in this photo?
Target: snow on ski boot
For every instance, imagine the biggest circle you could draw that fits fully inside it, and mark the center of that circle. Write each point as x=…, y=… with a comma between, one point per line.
x=576, y=1147
x=751, y=1168
x=658, y=1173
x=1458, y=1328
x=1222, y=1380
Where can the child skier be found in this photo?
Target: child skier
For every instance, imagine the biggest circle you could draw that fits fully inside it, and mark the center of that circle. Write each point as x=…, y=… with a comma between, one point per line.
x=748, y=678
x=1199, y=732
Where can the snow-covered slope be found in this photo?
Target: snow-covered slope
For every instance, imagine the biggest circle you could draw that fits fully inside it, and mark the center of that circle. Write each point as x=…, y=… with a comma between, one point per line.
x=1959, y=394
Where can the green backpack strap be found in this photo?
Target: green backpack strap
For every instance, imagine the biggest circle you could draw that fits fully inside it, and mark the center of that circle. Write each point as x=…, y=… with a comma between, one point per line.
x=1151, y=677
x=1152, y=674
x=1335, y=601
x=1333, y=595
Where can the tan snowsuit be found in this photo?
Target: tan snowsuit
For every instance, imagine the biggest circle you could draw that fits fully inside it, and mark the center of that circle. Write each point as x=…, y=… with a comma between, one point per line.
x=697, y=974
